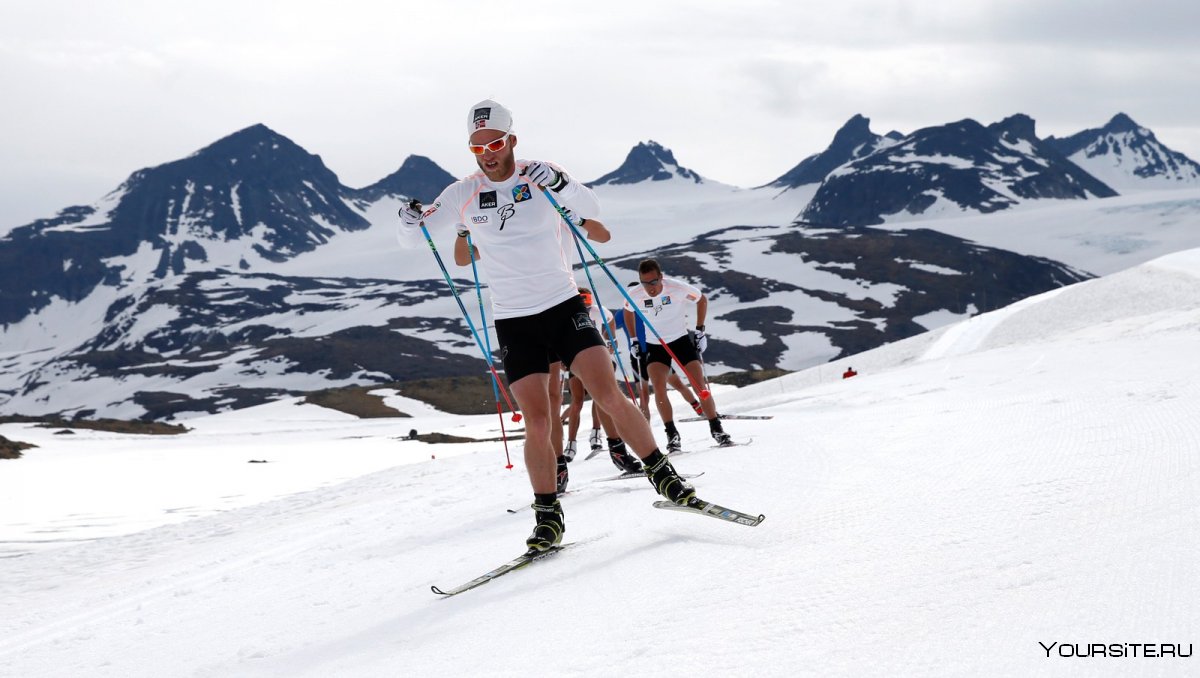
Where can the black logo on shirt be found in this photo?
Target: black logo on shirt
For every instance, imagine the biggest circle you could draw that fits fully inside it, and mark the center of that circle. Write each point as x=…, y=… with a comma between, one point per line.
x=505, y=212
x=487, y=200
x=648, y=303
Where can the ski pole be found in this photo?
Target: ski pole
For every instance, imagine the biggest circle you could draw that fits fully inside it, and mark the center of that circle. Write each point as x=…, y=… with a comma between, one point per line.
x=704, y=393
x=487, y=339
x=446, y=274
x=612, y=340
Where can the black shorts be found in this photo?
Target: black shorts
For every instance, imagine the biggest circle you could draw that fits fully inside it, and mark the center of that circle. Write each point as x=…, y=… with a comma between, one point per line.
x=683, y=348
x=529, y=344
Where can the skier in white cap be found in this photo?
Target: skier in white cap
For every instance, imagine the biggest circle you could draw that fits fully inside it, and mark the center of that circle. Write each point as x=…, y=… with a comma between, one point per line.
x=540, y=317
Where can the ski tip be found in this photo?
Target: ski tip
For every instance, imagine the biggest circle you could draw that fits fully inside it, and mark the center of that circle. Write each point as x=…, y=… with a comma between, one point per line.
x=438, y=591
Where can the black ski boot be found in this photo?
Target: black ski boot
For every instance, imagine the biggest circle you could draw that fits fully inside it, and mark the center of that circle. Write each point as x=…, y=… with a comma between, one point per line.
x=548, y=531
x=666, y=481
x=621, y=458
x=674, y=443
x=718, y=432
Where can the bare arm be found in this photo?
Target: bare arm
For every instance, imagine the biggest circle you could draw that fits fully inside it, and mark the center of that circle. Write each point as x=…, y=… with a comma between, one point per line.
x=596, y=230
x=462, y=254
x=701, y=310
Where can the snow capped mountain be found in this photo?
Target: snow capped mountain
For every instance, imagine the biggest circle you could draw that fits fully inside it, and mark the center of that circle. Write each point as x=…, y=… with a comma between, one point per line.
x=249, y=199
x=1128, y=157
x=954, y=168
x=418, y=177
x=247, y=272
x=648, y=161
x=853, y=141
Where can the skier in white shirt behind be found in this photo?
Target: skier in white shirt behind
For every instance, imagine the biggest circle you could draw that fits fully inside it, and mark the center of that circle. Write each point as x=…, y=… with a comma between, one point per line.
x=665, y=301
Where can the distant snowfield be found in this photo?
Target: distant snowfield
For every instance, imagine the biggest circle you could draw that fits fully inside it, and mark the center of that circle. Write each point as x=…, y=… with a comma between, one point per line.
x=640, y=216
x=1097, y=236
x=978, y=493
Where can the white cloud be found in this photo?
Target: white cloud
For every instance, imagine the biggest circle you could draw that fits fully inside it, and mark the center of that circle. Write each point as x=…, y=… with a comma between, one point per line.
x=740, y=92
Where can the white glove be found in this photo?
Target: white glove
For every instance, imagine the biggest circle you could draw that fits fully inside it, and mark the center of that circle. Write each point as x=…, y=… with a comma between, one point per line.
x=543, y=174
x=701, y=341
x=410, y=218
x=570, y=217
x=462, y=230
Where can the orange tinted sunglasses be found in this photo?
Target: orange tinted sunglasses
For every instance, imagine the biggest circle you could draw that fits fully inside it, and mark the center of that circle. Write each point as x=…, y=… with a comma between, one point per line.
x=493, y=146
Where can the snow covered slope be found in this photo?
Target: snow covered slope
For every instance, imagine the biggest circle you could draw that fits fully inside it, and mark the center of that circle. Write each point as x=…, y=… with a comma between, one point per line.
x=1024, y=480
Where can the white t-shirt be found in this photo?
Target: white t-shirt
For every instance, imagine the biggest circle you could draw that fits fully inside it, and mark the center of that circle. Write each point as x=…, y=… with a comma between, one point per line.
x=600, y=316
x=603, y=318
x=667, y=310
x=520, y=237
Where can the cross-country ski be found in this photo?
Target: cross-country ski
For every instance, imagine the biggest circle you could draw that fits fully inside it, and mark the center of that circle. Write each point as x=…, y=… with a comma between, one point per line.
x=523, y=560
x=707, y=508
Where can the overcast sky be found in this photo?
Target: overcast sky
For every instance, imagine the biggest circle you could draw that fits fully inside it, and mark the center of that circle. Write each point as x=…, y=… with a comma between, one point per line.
x=741, y=92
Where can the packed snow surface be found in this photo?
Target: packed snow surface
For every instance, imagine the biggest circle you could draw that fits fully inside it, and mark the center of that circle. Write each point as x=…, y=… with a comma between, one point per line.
x=977, y=493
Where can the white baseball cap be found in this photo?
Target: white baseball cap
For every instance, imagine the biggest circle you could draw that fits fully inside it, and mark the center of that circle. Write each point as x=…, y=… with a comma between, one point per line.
x=488, y=114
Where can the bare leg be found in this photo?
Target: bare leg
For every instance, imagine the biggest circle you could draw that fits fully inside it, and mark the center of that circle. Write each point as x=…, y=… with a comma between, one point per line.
x=554, y=389
x=576, y=408
x=658, y=377
x=594, y=368
x=696, y=372
x=533, y=397
x=606, y=421
x=679, y=385
x=644, y=398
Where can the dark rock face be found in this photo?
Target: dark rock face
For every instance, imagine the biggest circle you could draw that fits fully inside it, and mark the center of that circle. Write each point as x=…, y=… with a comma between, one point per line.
x=224, y=341
x=977, y=168
x=647, y=162
x=418, y=177
x=919, y=272
x=853, y=141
